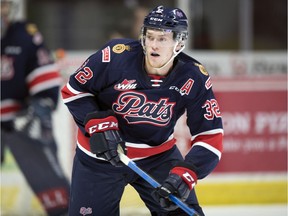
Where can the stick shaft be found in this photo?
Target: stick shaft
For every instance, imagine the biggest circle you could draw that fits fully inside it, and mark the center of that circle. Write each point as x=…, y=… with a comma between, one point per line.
x=131, y=164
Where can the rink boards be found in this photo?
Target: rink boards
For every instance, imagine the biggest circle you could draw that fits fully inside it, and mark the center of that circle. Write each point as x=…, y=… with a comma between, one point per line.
x=266, y=189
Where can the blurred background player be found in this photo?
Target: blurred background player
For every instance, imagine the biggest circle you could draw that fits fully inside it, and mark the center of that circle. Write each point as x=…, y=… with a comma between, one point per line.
x=30, y=84
x=131, y=93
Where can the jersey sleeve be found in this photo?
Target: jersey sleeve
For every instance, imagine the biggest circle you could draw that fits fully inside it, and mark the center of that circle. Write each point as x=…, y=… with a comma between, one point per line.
x=42, y=73
x=205, y=124
x=80, y=93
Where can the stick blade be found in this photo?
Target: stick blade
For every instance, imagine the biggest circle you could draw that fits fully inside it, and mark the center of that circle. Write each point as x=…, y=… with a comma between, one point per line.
x=122, y=156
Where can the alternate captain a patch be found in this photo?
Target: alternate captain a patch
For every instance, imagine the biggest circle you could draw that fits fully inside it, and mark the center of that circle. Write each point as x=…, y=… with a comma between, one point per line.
x=186, y=88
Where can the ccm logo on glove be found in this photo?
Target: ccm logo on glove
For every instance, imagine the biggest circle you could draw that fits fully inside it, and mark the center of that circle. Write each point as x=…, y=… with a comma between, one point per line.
x=101, y=125
x=187, y=175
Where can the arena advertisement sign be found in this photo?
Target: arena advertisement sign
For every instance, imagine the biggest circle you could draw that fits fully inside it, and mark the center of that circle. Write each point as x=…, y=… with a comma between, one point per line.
x=243, y=63
x=254, y=114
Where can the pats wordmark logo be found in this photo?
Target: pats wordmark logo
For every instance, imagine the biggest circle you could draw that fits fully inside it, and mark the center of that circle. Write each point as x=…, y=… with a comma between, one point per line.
x=136, y=109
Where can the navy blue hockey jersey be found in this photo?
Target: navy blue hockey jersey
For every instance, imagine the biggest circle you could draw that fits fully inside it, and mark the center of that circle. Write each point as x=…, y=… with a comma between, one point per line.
x=114, y=78
x=27, y=69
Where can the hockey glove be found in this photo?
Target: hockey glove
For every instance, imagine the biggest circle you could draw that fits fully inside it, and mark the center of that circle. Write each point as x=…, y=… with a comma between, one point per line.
x=41, y=108
x=180, y=182
x=103, y=129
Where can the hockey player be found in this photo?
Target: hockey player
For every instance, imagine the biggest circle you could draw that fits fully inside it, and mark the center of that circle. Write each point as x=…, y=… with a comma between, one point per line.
x=131, y=93
x=30, y=83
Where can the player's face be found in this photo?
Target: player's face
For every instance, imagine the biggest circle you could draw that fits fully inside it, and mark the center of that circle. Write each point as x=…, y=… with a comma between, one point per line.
x=159, y=47
x=5, y=13
x=5, y=9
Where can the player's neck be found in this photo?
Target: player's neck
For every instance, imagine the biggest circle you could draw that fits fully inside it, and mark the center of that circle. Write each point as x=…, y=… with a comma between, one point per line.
x=161, y=71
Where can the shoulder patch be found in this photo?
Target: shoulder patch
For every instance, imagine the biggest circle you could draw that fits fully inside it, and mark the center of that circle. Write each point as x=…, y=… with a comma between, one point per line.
x=208, y=83
x=202, y=69
x=31, y=29
x=37, y=38
x=119, y=48
x=106, y=54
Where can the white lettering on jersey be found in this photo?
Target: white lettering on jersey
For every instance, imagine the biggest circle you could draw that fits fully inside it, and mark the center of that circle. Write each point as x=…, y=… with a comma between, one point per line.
x=126, y=85
x=13, y=50
x=102, y=126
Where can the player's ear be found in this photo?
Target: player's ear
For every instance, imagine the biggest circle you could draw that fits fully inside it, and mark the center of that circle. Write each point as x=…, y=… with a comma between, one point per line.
x=179, y=45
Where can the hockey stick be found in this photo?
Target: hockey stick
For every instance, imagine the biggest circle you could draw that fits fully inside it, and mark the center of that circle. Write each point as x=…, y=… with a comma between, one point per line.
x=128, y=162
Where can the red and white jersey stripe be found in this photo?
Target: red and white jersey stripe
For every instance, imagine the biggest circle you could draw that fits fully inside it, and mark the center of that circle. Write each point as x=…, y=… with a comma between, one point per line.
x=9, y=108
x=69, y=94
x=210, y=140
x=43, y=78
